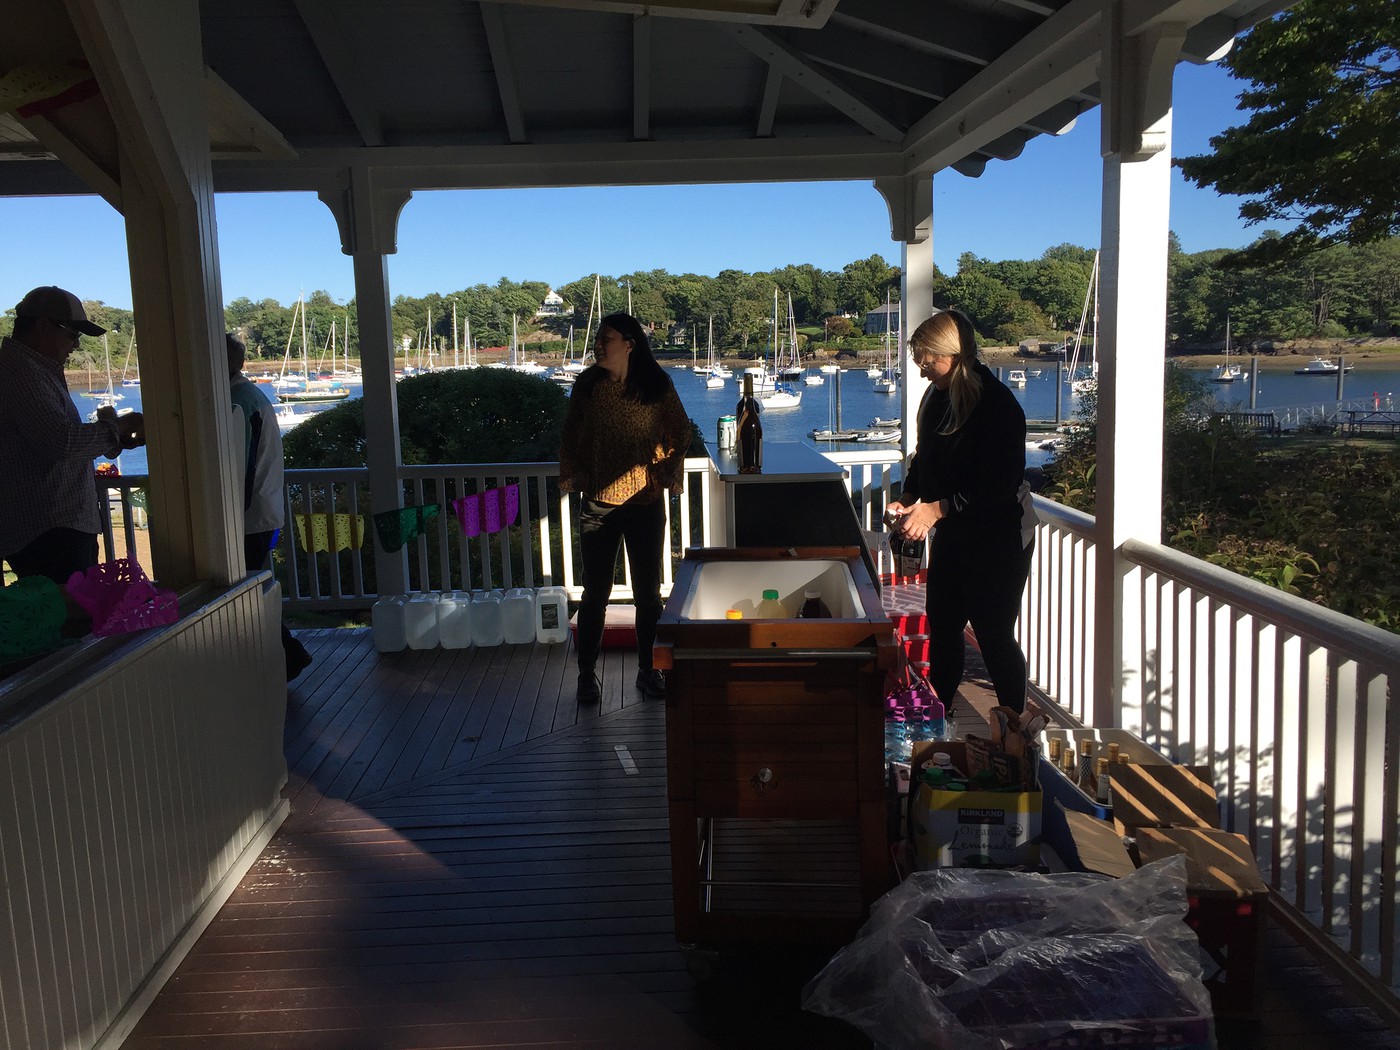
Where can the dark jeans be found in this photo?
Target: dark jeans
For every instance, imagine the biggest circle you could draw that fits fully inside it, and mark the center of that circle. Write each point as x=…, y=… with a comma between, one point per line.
x=603, y=528
x=257, y=555
x=56, y=554
x=978, y=577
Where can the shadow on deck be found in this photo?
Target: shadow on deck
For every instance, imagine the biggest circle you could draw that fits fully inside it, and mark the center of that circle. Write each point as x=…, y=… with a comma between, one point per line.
x=473, y=860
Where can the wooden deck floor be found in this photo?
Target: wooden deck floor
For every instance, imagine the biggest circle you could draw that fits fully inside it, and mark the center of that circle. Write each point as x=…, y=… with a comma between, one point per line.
x=474, y=861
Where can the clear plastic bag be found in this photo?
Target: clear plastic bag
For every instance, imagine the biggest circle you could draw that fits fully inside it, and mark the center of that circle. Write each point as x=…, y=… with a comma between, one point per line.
x=983, y=959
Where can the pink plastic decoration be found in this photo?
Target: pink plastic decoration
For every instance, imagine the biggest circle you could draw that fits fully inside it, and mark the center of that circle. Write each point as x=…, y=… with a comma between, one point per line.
x=119, y=597
x=468, y=510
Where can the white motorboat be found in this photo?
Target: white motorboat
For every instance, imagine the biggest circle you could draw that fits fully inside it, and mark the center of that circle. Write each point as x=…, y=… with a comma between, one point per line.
x=1016, y=377
x=1320, y=366
x=880, y=437
x=881, y=423
x=813, y=378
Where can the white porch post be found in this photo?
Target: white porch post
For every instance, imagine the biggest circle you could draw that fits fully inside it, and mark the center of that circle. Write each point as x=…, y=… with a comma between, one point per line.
x=140, y=51
x=910, y=200
x=1136, y=77
x=368, y=217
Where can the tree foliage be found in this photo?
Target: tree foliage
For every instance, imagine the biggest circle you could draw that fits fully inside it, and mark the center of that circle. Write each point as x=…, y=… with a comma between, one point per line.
x=1320, y=149
x=479, y=415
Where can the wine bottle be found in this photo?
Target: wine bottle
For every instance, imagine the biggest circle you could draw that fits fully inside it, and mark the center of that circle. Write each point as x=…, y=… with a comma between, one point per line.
x=750, y=431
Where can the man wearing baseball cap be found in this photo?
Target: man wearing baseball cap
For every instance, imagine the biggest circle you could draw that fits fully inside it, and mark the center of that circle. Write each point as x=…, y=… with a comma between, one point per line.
x=48, y=498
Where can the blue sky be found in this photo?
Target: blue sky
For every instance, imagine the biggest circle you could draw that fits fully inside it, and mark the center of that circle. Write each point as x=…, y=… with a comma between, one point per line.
x=275, y=245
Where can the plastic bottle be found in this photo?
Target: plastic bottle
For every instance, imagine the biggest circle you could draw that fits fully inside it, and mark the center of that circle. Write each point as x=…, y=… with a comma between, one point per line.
x=750, y=431
x=938, y=720
x=454, y=616
x=552, y=615
x=488, y=624
x=813, y=608
x=420, y=621
x=386, y=623
x=770, y=608
x=897, y=748
x=518, y=616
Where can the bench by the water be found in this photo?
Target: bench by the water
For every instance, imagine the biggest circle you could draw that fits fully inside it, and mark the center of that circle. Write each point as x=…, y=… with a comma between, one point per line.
x=1261, y=422
x=1386, y=424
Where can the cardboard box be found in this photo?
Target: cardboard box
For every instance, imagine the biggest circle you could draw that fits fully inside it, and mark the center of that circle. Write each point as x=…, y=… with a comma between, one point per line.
x=972, y=828
x=1226, y=896
x=1162, y=796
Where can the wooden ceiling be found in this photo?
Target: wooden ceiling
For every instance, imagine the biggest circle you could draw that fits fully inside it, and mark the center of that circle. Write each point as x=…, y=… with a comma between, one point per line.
x=460, y=93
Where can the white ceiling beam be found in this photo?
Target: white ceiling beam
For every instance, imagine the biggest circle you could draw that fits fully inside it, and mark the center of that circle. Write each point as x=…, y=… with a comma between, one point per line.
x=641, y=77
x=803, y=14
x=768, y=107
x=97, y=166
x=235, y=126
x=1056, y=60
x=342, y=63
x=782, y=56
x=493, y=22
x=554, y=165
x=923, y=27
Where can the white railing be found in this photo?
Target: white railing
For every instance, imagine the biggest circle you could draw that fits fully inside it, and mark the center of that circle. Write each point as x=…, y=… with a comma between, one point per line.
x=1288, y=705
x=141, y=776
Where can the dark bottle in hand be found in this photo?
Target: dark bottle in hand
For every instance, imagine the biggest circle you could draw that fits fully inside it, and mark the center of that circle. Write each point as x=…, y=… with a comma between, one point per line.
x=750, y=431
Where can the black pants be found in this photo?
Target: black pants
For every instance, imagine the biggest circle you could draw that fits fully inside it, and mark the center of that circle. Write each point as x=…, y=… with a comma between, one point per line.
x=257, y=555
x=977, y=576
x=603, y=528
x=56, y=554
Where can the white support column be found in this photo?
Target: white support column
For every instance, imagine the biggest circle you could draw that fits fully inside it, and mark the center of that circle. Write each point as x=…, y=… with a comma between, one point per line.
x=368, y=216
x=145, y=55
x=1136, y=78
x=910, y=200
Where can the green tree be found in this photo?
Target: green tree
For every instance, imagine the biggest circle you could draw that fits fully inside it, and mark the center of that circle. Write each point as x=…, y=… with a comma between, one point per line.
x=478, y=415
x=1320, y=149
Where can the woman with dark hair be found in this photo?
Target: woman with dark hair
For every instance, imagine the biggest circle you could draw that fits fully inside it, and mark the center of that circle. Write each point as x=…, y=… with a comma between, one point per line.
x=624, y=444
x=965, y=491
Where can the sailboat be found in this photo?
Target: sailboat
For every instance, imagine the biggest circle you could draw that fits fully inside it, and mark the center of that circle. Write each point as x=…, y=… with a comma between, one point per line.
x=135, y=378
x=1227, y=373
x=109, y=396
x=888, y=381
x=1082, y=384
x=715, y=379
x=293, y=388
x=783, y=394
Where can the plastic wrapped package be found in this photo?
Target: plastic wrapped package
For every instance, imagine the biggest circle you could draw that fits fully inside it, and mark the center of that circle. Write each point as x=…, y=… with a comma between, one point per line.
x=985, y=959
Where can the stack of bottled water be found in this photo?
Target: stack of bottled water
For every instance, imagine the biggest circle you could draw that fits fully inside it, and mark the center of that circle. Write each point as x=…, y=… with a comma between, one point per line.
x=913, y=714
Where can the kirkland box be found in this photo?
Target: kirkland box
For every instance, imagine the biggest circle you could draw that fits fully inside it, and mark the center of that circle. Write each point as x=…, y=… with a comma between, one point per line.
x=972, y=828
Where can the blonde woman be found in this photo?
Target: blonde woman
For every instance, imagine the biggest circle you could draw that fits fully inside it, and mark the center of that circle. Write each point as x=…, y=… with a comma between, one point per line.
x=965, y=491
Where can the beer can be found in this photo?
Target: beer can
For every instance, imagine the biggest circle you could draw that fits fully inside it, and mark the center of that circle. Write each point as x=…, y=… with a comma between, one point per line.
x=728, y=433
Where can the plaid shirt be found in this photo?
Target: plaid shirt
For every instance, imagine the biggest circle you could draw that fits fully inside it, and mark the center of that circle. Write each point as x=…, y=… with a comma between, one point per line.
x=46, y=451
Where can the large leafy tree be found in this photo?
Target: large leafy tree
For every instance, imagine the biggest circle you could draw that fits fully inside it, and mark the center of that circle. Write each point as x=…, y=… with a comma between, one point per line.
x=1320, y=149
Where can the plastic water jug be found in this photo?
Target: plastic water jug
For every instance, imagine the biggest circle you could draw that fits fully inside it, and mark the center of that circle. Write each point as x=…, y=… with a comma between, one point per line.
x=552, y=615
x=454, y=614
x=488, y=623
x=387, y=623
x=420, y=621
x=518, y=616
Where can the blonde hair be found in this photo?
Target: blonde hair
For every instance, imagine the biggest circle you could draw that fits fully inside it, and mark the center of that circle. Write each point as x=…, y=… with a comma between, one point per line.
x=949, y=333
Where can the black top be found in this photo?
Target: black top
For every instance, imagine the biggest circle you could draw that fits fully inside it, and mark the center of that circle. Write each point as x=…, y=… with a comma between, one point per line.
x=978, y=469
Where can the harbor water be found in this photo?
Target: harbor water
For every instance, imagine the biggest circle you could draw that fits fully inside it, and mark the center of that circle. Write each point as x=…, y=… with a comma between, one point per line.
x=1279, y=389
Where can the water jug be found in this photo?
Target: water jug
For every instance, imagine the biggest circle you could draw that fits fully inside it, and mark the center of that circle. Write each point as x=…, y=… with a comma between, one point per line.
x=420, y=621
x=488, y=625
x=518, y=616
x=552, y=615
x=387, y=623
x=455, y=619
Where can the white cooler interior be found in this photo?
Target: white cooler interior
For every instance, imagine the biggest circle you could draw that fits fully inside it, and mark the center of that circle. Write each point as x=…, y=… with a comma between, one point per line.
x=723, y=585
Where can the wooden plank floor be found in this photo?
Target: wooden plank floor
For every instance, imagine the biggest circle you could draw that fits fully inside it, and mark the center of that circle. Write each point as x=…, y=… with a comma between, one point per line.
x=474, y=861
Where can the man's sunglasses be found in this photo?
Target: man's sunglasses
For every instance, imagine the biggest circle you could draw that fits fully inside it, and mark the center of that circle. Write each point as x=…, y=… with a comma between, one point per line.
x=67, y=328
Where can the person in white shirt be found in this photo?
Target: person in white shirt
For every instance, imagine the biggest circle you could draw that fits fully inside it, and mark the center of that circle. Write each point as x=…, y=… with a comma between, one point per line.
x=262, y=482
